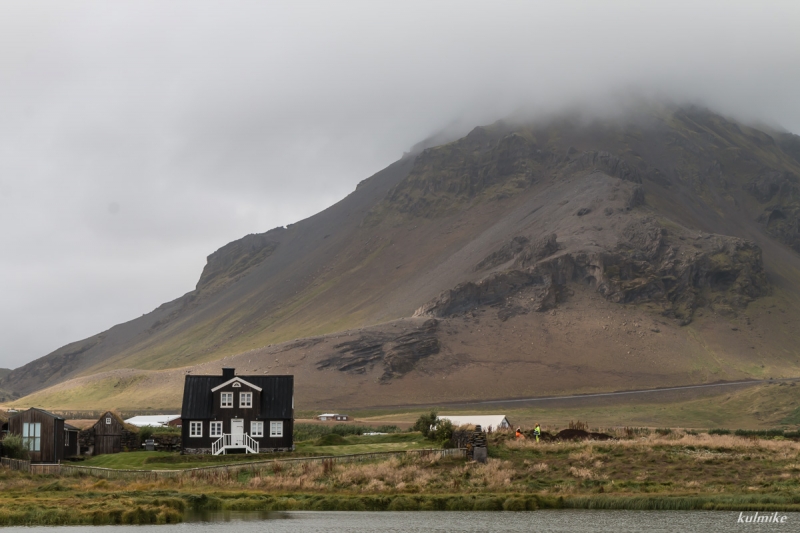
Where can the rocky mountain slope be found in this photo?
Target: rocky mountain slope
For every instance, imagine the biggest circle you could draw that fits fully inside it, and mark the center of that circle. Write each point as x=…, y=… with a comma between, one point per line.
x=524, y=258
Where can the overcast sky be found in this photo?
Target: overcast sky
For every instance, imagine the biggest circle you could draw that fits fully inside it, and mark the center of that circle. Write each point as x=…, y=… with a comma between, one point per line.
x=138, y=137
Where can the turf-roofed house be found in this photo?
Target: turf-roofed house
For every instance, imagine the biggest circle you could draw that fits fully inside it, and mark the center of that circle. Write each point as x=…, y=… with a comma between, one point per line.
x=237, y=414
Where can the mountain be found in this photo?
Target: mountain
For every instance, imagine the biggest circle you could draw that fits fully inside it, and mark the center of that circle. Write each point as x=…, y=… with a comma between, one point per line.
x=526, y=258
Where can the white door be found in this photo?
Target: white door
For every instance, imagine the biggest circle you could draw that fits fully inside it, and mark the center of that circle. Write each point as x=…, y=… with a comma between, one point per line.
x=237, y=432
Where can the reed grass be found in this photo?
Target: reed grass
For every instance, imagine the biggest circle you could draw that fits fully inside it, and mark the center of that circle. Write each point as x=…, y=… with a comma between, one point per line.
x=676, y=470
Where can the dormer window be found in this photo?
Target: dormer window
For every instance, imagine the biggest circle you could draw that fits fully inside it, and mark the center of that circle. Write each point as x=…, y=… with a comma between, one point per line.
x=246, y=399
x=226, y=399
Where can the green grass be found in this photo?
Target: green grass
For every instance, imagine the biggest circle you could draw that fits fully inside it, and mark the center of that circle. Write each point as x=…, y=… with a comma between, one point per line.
x=126, y=460
x=141, y=460
x=676, y=471
x=756, y=407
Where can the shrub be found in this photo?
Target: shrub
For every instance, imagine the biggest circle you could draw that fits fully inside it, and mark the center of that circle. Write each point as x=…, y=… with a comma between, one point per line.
x=718, y=431
x=14, y=449
x=443, y=431
x=146, y=433
x=425, y=423
x=304, y=432
x=434, y=428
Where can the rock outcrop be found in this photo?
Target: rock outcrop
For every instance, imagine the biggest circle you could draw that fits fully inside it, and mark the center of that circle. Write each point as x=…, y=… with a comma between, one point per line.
x=396, y=354
x=678, y=270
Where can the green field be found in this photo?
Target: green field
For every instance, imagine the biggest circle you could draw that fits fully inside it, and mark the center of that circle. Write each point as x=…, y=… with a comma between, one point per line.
x=755, y=407
x=141, y=460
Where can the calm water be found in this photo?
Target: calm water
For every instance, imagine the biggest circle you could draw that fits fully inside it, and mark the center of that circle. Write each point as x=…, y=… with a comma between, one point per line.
x=565, y=521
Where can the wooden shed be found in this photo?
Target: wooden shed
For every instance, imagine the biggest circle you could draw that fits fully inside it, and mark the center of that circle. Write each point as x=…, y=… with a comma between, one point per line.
x=42, y=432
x=71, y=448
x=108, y=434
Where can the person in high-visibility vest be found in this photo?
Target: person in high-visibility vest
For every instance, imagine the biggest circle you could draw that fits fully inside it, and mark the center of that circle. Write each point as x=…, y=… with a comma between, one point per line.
x=537, y=431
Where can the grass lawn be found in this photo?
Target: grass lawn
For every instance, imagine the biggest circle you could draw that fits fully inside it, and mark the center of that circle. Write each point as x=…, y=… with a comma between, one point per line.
x=141, y=460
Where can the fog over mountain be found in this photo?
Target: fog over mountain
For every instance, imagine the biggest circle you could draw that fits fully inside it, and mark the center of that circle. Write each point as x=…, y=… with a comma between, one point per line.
x=138, y=137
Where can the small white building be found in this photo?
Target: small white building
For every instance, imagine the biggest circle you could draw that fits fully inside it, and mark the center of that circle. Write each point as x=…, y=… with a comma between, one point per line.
x=333, y=416
x=156, y=421
x=486, y=422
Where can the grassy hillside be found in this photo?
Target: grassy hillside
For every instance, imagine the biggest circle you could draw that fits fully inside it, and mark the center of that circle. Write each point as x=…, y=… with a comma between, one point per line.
x=548, y=258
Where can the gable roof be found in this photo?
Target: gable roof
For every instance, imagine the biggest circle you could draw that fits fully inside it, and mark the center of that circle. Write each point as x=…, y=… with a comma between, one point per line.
x=276, y=395
x=48, y=413
x=237, y=379
x=151, y=420
x=115, y=416
x=70, y=427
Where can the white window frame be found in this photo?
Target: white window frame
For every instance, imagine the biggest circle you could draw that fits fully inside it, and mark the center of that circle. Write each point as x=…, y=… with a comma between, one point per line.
x=256, y=429
x=215, y=428
x=108, y=420
x=32, y=436
x=195, y=429
x=223, y=396
x=242, y=396
x=66, y=437
x=276, y=428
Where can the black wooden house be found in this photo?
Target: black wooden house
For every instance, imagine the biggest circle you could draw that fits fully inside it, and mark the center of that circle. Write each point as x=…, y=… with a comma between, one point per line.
x=237, y=414
x=48, y=438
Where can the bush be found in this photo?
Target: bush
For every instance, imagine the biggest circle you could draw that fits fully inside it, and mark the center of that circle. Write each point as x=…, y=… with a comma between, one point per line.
x=759, y=433
x=314, y=431
x=719, y=431
x=146, y=433
x=14, y=449
x=443, y=431
x=434, y=428
x=425, y=423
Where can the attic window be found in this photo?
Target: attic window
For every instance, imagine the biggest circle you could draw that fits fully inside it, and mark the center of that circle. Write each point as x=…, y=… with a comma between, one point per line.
x=108, y=420
x=226, y=399
x=236, y=385
x=246, y=399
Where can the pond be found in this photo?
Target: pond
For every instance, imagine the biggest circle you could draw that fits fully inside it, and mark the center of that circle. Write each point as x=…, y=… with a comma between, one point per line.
x=550, y=521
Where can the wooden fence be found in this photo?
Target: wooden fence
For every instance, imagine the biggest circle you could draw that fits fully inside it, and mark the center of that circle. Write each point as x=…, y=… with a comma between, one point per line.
x=16, y=464
x=254, y=467
x=45, y=469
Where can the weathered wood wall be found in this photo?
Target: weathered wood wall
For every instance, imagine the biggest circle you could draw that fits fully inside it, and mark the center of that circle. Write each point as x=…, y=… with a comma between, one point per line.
x=52, y=434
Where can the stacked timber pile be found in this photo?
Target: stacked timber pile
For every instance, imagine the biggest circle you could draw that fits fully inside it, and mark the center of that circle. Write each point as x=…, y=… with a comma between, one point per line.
x=476, y=446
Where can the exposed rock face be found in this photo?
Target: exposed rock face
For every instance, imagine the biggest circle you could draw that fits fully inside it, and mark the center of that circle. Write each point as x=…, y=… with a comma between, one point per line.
x=521, y=249
x=679, y=271
x=236, y=258
x=605, y=162
x=397, y=354
x=781, y=190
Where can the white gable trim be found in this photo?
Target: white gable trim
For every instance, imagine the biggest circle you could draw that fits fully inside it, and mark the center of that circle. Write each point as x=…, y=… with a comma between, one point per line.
x=238, y=380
